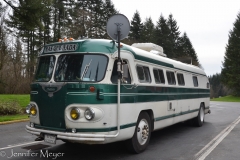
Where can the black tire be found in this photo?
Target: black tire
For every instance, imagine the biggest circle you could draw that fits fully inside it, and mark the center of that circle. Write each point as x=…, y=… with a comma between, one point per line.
x=199, y=120
x=66, y=141
x=139, y=142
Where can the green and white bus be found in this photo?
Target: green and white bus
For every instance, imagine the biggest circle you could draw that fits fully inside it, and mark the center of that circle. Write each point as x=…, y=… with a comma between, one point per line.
x=76, y=97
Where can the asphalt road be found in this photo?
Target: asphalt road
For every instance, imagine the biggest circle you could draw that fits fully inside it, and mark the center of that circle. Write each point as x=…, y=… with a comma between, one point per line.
x=217, y=139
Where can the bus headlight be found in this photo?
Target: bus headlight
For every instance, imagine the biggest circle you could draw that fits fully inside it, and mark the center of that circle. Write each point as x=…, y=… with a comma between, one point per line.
x=28, y=109
x=33, y=110
x=89, y=114
x=75, y=113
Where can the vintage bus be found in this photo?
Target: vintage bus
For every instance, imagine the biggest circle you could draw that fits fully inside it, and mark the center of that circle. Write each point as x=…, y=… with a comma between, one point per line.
x=76, y=97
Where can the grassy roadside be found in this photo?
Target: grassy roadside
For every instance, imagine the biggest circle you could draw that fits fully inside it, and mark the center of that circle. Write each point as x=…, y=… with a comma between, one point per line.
x=227, y=99
x=13, y=117
x=20, y=101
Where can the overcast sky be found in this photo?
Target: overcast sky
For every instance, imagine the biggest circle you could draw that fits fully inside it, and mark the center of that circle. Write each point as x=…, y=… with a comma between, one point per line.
x=206, y=22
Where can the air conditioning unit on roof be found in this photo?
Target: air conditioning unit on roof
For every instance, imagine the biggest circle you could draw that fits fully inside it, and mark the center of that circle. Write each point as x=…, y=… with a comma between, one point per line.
x=150, y=47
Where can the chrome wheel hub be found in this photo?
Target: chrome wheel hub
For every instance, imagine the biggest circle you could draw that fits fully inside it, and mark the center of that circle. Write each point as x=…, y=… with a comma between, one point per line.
x=142, y=132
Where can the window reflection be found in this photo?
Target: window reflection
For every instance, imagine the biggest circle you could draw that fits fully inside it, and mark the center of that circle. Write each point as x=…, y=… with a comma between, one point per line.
x=79, y=67
x=45, y=68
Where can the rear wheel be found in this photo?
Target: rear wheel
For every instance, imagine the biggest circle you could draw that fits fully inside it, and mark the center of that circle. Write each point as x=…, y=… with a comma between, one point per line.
x=199, y=120
x=139, y=142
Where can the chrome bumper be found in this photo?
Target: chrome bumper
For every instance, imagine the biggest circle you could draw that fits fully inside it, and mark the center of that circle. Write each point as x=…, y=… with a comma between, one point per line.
x=68, y=136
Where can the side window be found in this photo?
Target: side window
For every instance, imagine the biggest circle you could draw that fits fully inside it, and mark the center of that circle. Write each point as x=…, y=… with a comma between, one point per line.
x=171, y=78
x=180, y=79
x=195, y=81
x=158, y=75
x=114, y=77
x=143, y=74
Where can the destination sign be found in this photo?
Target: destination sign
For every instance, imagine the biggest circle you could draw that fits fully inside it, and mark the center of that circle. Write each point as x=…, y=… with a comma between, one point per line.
x=60, y=48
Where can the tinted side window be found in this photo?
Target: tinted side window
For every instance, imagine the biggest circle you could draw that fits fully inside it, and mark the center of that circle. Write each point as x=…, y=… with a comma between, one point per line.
x=180, y=79
x=143, y=74
x=171, y=78
x=159, y=76
x=140, y=73
x=195, y=81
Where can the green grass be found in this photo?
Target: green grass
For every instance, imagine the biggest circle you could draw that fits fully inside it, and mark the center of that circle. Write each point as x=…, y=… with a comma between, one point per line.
x=22, y=99
x=13, y=117
x=227, y=99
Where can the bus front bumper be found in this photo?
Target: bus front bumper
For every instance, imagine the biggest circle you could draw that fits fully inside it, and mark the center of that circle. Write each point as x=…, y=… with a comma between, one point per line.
x=68, y=136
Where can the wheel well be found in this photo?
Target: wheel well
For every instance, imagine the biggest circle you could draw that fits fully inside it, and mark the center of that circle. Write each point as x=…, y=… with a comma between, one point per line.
x=150, y=113
x=202, y=103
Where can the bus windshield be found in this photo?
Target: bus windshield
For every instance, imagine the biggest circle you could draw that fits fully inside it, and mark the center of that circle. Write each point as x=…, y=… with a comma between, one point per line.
x=45, y=68
x=80, y=67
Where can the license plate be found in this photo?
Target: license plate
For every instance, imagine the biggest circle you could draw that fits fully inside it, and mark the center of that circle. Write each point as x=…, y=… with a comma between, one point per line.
x=50, y=138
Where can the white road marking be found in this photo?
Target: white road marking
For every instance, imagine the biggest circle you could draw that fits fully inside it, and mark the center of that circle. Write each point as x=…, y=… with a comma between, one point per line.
x=205, y=151
x=22, y=144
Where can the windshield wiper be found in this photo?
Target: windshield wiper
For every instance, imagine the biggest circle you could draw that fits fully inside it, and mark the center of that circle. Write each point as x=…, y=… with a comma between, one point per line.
x=85, y=70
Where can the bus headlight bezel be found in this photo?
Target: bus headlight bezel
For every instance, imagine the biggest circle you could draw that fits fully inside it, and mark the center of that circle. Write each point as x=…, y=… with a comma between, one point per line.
x=89, y=114
x=75, y=113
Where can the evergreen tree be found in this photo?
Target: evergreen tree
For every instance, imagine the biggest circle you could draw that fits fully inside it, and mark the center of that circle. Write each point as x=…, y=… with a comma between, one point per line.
x=188, y=54
x=109, y=10
x=162, y=36
x=98, y=20
x=174, y=34
x=80, y=18
x=217, y=88
x=147, y=34
x=136, y=27
x=27, y=20
x=58, y=19
x=231, y=63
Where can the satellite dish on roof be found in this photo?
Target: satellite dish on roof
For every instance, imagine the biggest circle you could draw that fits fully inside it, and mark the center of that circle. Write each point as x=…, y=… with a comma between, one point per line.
x=118, y=22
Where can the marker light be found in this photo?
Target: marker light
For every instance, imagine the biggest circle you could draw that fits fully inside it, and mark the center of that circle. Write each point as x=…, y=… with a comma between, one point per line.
x=91, y=88
x=89, y=114
x=75, y=113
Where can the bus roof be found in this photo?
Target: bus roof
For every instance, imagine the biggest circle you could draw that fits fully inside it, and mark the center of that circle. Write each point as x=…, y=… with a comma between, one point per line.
x=110, y=47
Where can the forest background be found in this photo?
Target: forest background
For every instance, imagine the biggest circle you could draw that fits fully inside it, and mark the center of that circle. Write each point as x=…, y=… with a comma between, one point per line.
x=27, y=25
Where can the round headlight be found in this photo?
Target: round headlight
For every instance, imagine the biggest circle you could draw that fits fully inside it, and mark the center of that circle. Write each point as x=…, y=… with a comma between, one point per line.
x=75, y=113
x=33, y=110
x=28, y=109
x=89, y=114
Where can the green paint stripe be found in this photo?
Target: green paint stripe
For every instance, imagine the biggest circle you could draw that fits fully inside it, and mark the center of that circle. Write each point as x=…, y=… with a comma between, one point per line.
x=175, y=115
x=128, y=125
x=152, y=93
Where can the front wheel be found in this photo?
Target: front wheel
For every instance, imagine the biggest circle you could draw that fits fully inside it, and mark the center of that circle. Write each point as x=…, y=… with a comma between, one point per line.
x=199, y=120
x=139, y=142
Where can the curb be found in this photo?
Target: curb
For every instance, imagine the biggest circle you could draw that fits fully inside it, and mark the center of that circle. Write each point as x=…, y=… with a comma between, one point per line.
x=15, y=121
